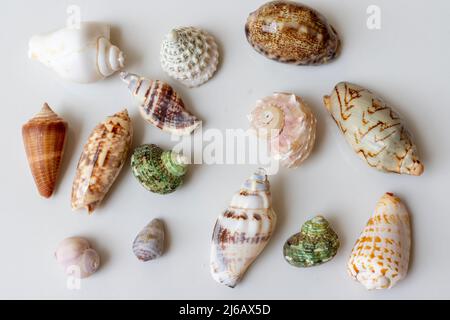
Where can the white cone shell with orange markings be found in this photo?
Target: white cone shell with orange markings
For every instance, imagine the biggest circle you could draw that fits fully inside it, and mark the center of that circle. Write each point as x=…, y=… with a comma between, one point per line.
x=373, y=129
x=380, y=256
x=242, y=231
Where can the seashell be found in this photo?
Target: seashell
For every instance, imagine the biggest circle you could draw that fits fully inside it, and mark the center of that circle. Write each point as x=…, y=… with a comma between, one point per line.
x=380, y=256
x=288, y=125
x=157, y=170
x=242, y=231
x=293, y=33
x=77, y=257
x=82, y=54
x=102, y=159
x=149, y=243
x=189, y=55
x=44, y=137
x=315, y=244
x=160, y=105
x=373, y=129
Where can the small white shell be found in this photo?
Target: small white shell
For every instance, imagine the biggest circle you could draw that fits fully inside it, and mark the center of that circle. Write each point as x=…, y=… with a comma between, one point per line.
x=81, y=55
x=189, y=55
x=149, y=243
x=77, y=257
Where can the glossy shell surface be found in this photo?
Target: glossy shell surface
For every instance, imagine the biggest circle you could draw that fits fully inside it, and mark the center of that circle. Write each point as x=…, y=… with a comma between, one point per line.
x=160, y=105
x=290, y=32
x=44, y=138
x=103, y=157
x=373, y=129
x=149, y=243
x=77, y=257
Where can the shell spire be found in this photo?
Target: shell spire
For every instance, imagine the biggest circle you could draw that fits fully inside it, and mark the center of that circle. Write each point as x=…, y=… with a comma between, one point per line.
x=380, y=256
x=315, y=244
x=287, y=125
x=242, y=231
x=84, y=54
x=103, y=157
x=160, y=105
x=44, y=138
x=189, y=55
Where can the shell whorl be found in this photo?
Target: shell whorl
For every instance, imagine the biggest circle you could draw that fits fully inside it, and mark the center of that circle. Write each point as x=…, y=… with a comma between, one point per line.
x=160, y=104
x=109, y=57
x=189, y=55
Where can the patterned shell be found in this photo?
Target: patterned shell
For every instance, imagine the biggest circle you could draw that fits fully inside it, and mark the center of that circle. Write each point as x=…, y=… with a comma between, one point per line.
x=292, y=33
x=157, y=170
x=44, y=137
x=288, y=125
x=373, y=129
x=102, y=159
x=242, y=231
x=380, y=256
x=315, y=244
x=160, y=105
x=189, y=55
x=149, y=243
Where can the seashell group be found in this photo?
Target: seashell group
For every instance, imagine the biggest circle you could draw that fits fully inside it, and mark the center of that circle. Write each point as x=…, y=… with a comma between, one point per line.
x=242, y=231
x=157, y=170
x=189, y=55
x=373, y=129
x=77, y=257
x=288, y=125
x=83, y=54
x=149, y=243
x=292, y=33
x=44, y=137
x=380, y=256
x=102, y=159
x=160, y=105
x=315, y=244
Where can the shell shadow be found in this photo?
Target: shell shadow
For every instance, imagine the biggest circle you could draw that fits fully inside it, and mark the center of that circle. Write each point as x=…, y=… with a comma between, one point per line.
x=338, y=227
x=72, y=140
x=131, y=58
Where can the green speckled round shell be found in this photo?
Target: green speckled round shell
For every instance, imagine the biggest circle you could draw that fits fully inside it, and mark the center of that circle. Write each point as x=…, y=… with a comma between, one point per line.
x=315, y=244
x=157, y=170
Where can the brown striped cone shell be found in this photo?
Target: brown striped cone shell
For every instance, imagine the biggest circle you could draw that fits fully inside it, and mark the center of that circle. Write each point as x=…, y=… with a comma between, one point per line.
x=103, y=156
x=291, y=32
x=242, y=231
x=44, y=137
x=380, y=256
x=160, y=105
x=373, y=129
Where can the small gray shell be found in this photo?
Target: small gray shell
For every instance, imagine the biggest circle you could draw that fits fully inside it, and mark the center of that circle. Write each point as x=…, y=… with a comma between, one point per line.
x=149, y=243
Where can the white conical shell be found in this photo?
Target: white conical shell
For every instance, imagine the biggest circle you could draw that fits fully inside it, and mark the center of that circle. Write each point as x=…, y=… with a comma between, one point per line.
x=77, y=257
x=189, y=55
x=288, y=126
x=380, y=256
x=242, y=231
x=81, y=55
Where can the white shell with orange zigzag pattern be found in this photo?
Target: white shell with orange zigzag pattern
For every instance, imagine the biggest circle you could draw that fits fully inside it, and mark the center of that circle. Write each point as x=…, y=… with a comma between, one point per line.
x=380, y=256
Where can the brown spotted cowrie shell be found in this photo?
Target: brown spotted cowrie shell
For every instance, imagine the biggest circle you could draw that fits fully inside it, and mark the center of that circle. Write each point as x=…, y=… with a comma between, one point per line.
x=291, y=32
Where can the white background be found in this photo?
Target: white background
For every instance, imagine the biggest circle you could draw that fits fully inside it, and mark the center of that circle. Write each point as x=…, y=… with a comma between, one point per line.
x=407, y=61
